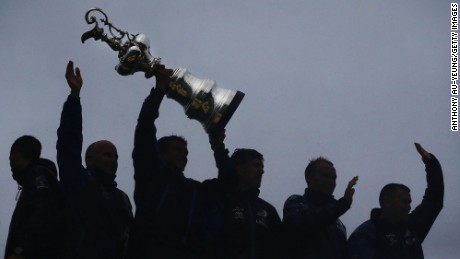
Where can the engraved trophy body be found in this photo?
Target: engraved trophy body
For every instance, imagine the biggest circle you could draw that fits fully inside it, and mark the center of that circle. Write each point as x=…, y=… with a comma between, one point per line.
x=201, y=99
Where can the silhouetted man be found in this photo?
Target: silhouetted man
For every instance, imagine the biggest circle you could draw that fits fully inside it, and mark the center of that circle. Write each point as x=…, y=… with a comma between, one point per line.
x=394, y=233
x=311, y=221
x=38, y=219
x=251, y=226
x=176, y=217
x=100, y=214
x=166, y=222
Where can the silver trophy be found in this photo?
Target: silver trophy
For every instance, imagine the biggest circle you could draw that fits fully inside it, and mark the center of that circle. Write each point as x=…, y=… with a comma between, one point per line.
x=201, y=99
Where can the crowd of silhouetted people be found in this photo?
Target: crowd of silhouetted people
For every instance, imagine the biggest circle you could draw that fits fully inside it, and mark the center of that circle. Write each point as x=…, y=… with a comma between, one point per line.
x=73, y=211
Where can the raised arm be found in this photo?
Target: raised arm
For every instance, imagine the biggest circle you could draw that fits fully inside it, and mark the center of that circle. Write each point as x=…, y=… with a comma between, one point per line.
x=223, y=163
x=424, y=215
x=302, y=218
x=145, y=153
x=70, y=138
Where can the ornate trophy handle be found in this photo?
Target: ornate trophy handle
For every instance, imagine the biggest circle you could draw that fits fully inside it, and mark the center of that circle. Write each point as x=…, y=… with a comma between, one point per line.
x=98, y=33
x=134, y=54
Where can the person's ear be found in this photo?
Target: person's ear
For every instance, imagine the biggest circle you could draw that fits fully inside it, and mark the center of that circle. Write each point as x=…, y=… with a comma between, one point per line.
x=309, y=179
x=239, y=169
x=89, y=161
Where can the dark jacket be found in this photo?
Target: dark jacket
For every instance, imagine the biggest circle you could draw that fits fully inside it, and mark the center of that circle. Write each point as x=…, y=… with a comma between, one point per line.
x=378, y=239
x=167, y=203
x=251, y=228
x=178, y=217
x=312, y=227
x=38, y=219
x=99, y=214
x=242, y=224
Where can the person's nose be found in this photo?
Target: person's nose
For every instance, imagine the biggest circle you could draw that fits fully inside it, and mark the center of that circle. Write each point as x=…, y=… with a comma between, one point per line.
x=261, y=171
x=113, y=158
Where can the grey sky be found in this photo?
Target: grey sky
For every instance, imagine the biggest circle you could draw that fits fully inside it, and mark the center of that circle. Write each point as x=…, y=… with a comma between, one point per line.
x=355, y=81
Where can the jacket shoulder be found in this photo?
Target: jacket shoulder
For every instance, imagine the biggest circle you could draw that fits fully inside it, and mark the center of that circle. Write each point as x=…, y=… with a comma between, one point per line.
x=362, y=242
x=296, y=200
x=265, y=204
x=192, y=181
x=123, y=195
x=268, y=208
x=367, y=229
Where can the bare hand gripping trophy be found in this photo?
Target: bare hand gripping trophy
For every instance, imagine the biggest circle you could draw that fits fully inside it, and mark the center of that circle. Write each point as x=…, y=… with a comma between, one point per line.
x=200, y=98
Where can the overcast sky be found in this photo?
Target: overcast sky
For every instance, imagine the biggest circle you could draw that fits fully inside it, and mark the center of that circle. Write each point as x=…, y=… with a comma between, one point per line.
x=356, y=81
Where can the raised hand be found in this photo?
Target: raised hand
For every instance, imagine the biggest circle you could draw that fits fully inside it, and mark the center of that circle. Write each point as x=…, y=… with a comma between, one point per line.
x=426, y=157
x=73, y=79
x=216, y=139
x=350, y=191
x=162, y=76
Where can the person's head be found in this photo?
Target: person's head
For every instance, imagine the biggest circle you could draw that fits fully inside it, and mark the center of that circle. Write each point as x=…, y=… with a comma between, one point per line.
x=249, y=166
x=173, y=151
x=101, y=156
x=395, y=200
x=50, y=165
x=320, y=175
x=24, y=150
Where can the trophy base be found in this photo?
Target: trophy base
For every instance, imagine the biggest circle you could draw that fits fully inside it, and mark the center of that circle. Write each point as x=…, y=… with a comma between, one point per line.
x=203, y=101
x=227, y=114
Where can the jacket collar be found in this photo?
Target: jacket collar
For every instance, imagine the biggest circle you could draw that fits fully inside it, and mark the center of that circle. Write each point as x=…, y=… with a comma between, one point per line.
x=318, y=197
x=376, y=216
x=104, y=179
x=25, y=176
x=240, y=194
x=171, y=174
